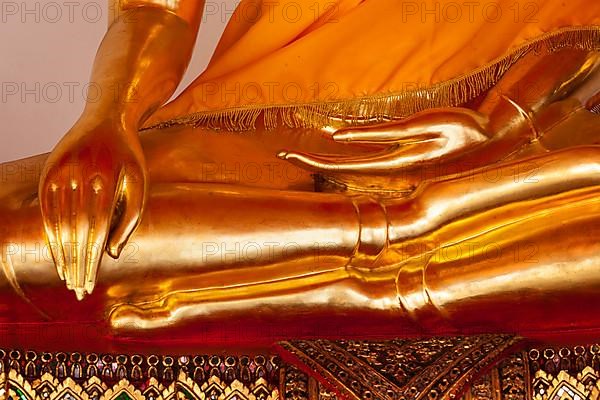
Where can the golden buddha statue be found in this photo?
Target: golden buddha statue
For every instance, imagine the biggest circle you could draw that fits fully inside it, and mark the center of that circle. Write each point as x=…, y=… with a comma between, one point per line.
x=467, y=202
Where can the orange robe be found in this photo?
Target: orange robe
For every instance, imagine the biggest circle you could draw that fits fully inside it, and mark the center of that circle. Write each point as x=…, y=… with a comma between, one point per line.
x=302, y=62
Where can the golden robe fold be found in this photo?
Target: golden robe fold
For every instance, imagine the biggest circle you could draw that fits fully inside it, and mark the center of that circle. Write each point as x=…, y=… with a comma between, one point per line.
x=300, y=62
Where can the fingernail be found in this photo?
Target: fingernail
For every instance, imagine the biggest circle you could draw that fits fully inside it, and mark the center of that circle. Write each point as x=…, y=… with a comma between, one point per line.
x=282, y=155
x=89, y=287
x=115, y=250
x=61, y=274
x=80, y=293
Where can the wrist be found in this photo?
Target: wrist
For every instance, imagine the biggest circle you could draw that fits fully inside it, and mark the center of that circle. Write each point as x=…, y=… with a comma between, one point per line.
x=109, y=124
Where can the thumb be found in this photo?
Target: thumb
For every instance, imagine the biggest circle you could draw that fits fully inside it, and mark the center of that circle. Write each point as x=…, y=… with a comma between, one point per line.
x=129, y=205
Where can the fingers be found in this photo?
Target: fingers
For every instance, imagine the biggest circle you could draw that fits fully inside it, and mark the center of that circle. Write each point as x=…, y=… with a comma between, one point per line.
x=84, y=214
x=424, y=126
x=388, y=132
x=380, y=161
x=400, y=132
x=98, y=227
x=50, y=205
x=76, y=214
x=129, y=204
x=60, y=210
x=71, y=198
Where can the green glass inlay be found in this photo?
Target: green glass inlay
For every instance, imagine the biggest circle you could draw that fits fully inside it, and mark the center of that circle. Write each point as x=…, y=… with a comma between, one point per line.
x=20, y=394
x=186, y=393
x=123, y=396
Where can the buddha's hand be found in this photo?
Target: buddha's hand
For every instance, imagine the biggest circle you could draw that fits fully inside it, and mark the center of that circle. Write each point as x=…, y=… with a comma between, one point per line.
x=91, y=194
x=392, y=147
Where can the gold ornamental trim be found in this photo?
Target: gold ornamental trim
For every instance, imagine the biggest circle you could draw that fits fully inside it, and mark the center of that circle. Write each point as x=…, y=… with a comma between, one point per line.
x=27, y=375
x=451, y=368
x=16, y=387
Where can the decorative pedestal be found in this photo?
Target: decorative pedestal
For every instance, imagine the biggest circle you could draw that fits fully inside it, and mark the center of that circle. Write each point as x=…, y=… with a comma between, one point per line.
x=489, y=367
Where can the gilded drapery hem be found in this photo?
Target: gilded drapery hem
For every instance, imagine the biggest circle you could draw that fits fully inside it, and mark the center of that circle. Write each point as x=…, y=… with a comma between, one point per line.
x=383, y=107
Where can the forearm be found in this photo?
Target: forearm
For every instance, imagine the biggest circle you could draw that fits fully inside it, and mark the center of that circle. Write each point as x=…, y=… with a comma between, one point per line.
x=140, y=62
x=449, y=210
x=535, y=83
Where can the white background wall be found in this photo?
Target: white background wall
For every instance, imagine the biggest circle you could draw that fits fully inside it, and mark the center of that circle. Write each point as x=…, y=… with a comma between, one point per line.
x=46, y=54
